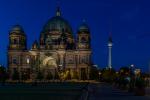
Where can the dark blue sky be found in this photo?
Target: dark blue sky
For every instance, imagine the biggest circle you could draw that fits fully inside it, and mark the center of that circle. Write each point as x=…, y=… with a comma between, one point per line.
x=128, y=20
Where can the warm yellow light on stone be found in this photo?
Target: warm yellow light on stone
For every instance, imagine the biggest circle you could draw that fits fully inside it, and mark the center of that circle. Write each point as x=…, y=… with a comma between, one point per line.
x=49, y=61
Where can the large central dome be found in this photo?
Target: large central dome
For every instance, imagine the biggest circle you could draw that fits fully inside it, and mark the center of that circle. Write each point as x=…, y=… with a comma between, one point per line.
x=57, y=23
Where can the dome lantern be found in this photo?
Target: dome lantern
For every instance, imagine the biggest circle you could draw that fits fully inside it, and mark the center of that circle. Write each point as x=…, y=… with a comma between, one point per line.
x=58, y=11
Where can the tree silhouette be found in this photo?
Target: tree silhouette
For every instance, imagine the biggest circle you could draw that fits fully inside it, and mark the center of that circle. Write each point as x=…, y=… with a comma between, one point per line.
x=94, y=73
x=3, y=74
x=108, y=75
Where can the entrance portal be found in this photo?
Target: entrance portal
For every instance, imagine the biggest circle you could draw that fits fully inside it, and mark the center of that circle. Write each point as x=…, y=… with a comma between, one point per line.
x=50, y=62
x=49, y=67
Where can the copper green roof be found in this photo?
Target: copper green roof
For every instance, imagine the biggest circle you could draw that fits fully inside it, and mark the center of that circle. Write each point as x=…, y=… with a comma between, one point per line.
x=17, y=29
x=57, y=23
x=83, y=27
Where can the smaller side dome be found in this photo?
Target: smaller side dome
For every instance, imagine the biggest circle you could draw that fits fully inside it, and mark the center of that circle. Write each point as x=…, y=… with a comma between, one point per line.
x=17, y=29
x=84, y=27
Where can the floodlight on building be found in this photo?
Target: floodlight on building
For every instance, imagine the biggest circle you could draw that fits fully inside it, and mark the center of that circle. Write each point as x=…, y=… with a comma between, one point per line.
x=28, y=60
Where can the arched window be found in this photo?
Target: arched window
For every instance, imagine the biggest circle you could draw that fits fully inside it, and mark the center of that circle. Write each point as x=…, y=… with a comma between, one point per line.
x=84, y=60
x=14, y=61
x=83, y=40
x=15, y=41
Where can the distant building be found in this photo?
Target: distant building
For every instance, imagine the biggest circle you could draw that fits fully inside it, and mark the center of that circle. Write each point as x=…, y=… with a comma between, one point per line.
x=56, y=51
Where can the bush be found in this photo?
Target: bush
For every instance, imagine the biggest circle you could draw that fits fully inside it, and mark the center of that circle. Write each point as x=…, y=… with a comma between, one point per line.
x=140, y=83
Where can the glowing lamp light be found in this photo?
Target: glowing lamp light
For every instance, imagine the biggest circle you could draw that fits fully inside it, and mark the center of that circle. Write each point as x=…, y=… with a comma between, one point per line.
x=99, y=73
x=110, y=44
x=28, y=60
x=132, y=65
x=60, y=65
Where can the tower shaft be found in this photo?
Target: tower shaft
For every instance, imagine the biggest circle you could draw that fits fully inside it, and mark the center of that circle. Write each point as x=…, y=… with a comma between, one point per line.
x=110, y=57
x=110, y=44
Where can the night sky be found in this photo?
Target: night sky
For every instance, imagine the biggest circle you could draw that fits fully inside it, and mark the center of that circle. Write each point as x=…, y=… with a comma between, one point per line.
x=127, y=20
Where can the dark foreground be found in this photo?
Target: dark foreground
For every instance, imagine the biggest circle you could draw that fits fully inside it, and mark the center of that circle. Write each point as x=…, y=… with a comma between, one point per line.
x=50, y=91
x=107, y=92
x=65, y=91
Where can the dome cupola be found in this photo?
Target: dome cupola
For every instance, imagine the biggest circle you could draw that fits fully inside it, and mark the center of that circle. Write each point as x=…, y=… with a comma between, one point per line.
x=17, y=29
x=57, y=23
x=84, y=27
x=17, y=38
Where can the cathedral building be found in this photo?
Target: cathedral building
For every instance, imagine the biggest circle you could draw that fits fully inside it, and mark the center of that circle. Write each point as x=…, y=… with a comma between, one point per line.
x=56, y=52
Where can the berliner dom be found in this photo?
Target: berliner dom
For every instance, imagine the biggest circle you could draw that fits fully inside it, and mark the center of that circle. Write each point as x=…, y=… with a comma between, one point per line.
x=56, y=54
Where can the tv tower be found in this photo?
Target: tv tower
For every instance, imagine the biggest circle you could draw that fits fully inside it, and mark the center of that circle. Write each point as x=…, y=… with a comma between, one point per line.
x=110, y=44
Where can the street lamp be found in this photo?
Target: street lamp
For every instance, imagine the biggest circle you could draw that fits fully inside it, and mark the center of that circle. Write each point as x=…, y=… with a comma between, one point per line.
x=99, y=75
x=130, y=68
x=132, y=65
x=132, y=79
x=95, y=66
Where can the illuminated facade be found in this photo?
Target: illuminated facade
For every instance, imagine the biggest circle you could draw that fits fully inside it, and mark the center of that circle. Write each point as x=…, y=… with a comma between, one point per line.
x=56, y=51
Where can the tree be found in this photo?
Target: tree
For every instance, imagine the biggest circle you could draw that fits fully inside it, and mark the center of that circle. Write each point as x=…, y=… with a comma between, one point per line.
x=125, y=77
x=3, y=74
x=124, y=71
x=94, y=73
x=108, y=75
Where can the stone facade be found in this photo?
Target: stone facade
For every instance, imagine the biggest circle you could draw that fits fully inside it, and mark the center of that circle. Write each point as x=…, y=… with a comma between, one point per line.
x=56, y=51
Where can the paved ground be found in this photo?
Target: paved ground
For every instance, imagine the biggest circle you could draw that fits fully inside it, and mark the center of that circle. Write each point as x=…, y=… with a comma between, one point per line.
x=148, y=91
x=51, y=91
x=107, y=92
x=65, y=91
